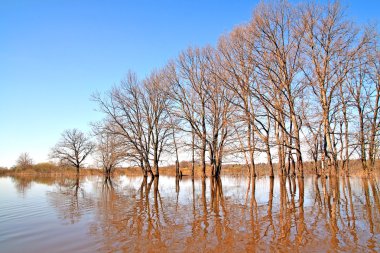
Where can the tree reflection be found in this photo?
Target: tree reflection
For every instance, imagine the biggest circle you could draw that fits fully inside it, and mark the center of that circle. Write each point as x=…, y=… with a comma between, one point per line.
x=352, y=219
x=219, y=210
x=137, y=215
x=375, y=192
x=177, y=188
x=270, y=204
x=368, y=211
x=283, y=214
x=302, y=226
x=22, y=184
x=333, y=201
x=70, y=199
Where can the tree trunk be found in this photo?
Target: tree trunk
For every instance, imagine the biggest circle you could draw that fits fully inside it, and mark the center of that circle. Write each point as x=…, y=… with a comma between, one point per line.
x=250, y=139
x=362, y=139
x=374, y=129
x=144, y=171
x=177, y=168
x=156, y=173
x=328, y=146
x=297, y=144
x=203, y=155
x=279, y=150
x=347, y=159
x=269, y=158
x=192, y=153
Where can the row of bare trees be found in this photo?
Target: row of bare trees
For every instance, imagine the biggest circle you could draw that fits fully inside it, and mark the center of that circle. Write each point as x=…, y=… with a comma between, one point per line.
x=298, y=82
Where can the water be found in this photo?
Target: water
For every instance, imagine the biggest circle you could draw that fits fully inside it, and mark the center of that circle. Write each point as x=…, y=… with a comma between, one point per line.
x=89, y=214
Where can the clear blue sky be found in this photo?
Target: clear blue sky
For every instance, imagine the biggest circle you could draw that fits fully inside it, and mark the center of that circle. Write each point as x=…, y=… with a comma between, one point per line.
x=55, y=54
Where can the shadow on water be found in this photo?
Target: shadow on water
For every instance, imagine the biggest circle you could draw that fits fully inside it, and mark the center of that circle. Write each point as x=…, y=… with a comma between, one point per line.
x=225, y=214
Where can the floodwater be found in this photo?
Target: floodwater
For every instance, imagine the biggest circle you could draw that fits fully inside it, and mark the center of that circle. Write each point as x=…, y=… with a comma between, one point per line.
x=234, y=214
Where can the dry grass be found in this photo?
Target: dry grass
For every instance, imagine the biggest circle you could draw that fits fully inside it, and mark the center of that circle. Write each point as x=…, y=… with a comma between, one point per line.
x=262, y=169
x=47, y=169
x=185, y=167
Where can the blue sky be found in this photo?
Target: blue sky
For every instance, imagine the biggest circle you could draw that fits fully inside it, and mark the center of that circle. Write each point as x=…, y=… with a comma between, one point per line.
x=55, y=54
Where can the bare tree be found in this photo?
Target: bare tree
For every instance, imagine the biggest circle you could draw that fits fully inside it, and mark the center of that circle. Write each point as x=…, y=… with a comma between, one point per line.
x=360, y=99
x=189, y=79
x=109, y=149
x=374, y=119
x=218, y=111
x=174, y=126
x=331, y=43
x=72, y=149
x=24, y=161
x=202, y=102
x=156, y=108
x=312, y=133
x=344, y=99
x=138, y=113
x=277, y=53
x=123, y=109
x=295, y=76
x=237, y=60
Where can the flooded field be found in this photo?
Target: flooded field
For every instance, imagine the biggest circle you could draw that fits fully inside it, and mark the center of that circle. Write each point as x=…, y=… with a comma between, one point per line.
x=233, y=214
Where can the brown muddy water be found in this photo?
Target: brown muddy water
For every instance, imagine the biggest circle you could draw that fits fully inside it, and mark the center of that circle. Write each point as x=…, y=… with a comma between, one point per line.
x=228, y=215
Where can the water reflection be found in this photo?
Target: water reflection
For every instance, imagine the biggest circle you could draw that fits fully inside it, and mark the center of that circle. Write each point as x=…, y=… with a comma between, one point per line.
x=289, y=214
x=70, y=199
x=222, y=215
x=23, y=183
